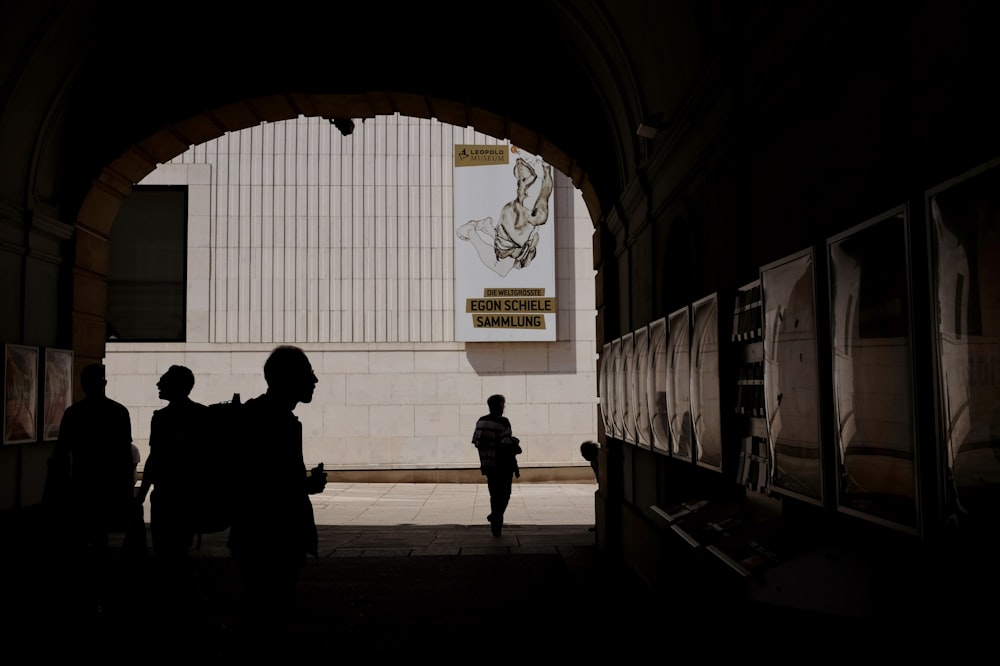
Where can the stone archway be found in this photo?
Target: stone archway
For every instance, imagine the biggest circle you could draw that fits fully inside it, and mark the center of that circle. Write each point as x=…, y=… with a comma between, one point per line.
x=92, y=256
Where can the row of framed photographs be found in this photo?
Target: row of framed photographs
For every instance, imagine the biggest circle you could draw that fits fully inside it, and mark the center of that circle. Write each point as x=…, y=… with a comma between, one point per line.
x=659, y=385
x=24, y=381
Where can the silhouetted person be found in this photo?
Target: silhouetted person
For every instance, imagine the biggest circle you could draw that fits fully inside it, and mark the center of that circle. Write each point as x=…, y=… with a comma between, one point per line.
x=273, y=528
x=96, y=435
x=589, y=452
x=135, y=531
x=498, y=449
x=176, y=434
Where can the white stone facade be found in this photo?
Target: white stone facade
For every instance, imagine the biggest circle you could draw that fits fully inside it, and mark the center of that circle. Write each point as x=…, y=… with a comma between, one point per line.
x=343, y=246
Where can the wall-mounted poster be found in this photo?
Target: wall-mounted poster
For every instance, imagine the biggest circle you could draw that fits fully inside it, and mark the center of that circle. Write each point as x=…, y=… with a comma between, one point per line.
x=679, y=383
x=20, y=415
x=791, y=378
x=614, y=398
x=626, y=375
x=640, y=406
x=603, y=388
x=505, y=247
x=58, y=390
x=964, y=216
x=706, y=412
x=656, y=387
x=872, y=374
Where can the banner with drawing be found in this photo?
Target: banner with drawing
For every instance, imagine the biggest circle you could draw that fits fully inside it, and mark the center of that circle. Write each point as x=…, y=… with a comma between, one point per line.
x=505, y=268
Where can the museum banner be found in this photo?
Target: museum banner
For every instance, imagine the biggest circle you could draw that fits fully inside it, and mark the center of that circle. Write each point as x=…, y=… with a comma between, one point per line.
x=505, y=268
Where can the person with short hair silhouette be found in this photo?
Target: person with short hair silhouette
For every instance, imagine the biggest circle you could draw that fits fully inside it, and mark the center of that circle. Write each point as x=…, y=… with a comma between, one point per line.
x=95, y=433
x=589, y=452
x=176, y=434
x=498, y=449
x=273, y=528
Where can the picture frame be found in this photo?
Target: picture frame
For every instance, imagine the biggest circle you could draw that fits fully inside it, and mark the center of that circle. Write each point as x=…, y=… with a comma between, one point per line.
x=20, y=418
x=57, y=390
x=615, y=399
x=640, y=343
x=625, y=377
x=963, y=223
x=791, y=378
x=706, y=410
x=607, y=404
x=871, y=336
x=679, y=383
x=656, y=387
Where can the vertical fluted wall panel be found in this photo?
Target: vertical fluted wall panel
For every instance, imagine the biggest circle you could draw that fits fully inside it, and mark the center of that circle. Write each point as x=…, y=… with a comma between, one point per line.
x=318, y=237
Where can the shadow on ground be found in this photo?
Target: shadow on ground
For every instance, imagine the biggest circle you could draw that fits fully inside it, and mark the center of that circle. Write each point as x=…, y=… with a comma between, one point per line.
x=445, y=593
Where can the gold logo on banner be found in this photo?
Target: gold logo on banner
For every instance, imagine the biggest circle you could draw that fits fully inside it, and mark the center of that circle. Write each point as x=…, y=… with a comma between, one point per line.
x=473, y=155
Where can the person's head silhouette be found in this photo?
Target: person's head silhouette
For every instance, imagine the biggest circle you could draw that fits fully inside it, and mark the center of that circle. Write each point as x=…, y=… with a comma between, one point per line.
x=289, y=375
x=175, y=383
x=92, y=380
x=496, y=403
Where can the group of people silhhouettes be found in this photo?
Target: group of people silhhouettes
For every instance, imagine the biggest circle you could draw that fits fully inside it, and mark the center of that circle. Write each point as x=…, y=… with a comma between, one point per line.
x=271, y=530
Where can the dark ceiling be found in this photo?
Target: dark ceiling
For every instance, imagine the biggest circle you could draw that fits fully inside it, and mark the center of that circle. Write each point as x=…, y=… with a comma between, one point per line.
x=134, y=70
x=83, y=82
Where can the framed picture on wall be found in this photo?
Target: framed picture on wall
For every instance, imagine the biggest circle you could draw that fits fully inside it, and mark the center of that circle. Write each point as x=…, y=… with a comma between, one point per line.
x=58, y=390
x=603, y=388
x=869, y=285
x=964, y=227
x=679, y=383
x=640, y=343
x=20, y=415
x=626, y=375
x=706, y=411
x=656, y=387
x=791, y=378
x=614, y=398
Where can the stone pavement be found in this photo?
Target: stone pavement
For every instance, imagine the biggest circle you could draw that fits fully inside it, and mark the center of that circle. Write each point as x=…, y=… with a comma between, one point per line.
x=404, y=571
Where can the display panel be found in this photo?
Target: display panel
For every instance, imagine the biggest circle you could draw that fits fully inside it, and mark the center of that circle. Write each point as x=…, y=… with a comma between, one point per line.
x=604, y=389
x=656, y=387
x=615, y=397
x=872, y=374
x=58, y=390
x=964, y=216
x=640, y=405
x=626, y=375
x=20, y=416
x=706, y=413
x=679, y=383
x=791, y=378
